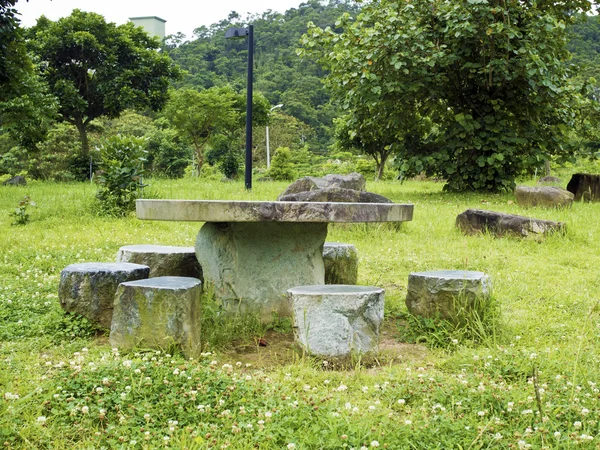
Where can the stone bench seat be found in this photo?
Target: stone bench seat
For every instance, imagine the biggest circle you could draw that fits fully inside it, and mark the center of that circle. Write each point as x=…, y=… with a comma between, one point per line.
x=163, y=260
x=158, y=313
x=340, y=262
x=446, y=294
x=89, y=288
x=336, y=320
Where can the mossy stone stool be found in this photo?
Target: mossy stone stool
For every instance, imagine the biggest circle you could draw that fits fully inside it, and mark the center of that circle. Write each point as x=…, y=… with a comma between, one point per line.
x=447, y=294
x=334, y=320
x=163, y=260
x=89, y=288
x=341, y=263
x=158, y=313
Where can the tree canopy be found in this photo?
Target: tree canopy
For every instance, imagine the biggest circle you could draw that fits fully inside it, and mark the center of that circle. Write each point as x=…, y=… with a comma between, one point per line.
x=96, y=68
x=486, y=80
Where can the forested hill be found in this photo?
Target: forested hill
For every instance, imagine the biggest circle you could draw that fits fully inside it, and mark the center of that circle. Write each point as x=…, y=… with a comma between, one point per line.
x=282, y=76
x=279, y=74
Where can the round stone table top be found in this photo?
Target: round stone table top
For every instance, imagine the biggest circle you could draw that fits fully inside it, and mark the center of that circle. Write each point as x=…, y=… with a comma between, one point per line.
x=266, y=211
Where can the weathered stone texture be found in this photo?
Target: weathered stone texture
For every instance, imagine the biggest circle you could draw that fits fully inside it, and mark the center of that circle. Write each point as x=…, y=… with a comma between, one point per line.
x=335, y=320
x=163, y=260
x=335, y=194
x=446, y=293
x=252, y=265
x=354, y=181
x=585, y=186
x=89, y=288
x=341, y=263
x=474, y=221
x=15, y=181
x=545, y=196
x=158, y=313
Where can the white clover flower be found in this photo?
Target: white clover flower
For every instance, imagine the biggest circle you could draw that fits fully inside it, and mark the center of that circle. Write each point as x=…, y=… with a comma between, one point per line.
x=85, y=409
x=408, y=422
x=401, y=401
x=365, y=389
x=577, y=424
x=374, y=444
x=342, y=387
x=497, y=436
x=557, y=434
x=268, y=414
x=585, y=412
x=291, y=446
x=527, y=411
x=41, y=420
x=481, y=413
x=99, y=390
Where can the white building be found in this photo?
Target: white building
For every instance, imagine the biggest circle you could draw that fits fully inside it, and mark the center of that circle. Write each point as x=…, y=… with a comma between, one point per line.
x=154, y=26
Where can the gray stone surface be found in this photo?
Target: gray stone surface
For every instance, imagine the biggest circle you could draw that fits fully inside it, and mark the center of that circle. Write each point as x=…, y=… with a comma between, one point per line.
x=335, y=320
x=257, y=211
x=341, y=263
x=158, y=313
x=544, y=196
x=447, y=294
x=16, y=181
x=89, y=289
x=354, y=181
x=163, y=260
x=474, y=221
x=335, y=195
x=549, y=181
x=252, y=265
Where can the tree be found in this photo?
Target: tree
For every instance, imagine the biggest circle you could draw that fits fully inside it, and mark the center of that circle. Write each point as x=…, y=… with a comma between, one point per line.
x=488, y=81
x=96, y=68
x=201, y=116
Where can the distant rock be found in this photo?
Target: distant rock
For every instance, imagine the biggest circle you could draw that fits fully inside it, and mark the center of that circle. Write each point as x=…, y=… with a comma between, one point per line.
x=549, y=181
x=545, y=196
x=354, y=181
x=335, y=195
x=474, y=221
x=16, y=181
x=585, y=186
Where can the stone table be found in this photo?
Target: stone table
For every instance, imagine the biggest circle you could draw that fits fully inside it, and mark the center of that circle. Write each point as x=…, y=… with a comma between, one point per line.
x=252, y=252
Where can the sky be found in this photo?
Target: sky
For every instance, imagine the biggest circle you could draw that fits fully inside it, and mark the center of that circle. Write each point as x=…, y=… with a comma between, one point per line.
x=181, y=15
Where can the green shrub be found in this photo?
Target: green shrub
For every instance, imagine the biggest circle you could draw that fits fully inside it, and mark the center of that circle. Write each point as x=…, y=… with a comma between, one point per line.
x=281, y=166
x=120, y=180
x=20, y=215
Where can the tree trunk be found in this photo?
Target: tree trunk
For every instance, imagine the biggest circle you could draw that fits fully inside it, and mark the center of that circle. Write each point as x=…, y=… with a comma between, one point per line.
x=383, y=156
x=85, y=145
x=547, y=168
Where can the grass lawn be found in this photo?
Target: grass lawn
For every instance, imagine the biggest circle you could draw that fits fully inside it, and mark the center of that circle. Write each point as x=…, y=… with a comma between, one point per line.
x=529, y=382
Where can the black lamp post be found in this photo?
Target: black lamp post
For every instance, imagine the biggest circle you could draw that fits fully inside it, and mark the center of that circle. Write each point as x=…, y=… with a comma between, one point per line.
x=242, y=33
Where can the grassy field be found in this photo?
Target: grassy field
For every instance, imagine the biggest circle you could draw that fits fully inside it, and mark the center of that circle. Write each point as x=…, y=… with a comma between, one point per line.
x=528, y=382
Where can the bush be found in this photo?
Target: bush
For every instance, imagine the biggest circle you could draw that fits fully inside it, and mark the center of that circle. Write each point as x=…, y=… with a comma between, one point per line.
x=282, y=168
x=121, y=171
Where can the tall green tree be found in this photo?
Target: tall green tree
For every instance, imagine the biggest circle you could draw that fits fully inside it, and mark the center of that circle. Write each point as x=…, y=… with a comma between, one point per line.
x=96, y=68
x=487, y=78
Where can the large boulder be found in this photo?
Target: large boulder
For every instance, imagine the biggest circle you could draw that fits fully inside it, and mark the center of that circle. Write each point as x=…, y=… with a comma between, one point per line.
x=336, y=320
x=15, y=181
x=163, y=260
x=474, y=221
x=158, y=313
x=333, y=194
x=452, y=295
x=354, y=181
x=585, y=186
x=545, y=196
x=89, y=289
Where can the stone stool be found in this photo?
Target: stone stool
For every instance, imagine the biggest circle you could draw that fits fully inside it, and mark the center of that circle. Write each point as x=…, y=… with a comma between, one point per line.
x=163, y=260
x=158, y=313
x=446, y=293
x=341, y=263
x=334, y=320
x=89, y=288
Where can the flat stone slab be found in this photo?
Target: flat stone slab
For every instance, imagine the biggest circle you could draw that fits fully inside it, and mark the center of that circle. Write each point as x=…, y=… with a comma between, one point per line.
x=336, y=320
x=250, y=266
x=354, y=181
x=259, y=211
x=163, y=260
x=544, y=196
x=341, y=263
x=446, y=294
x=89, y=289
x=158, y=313
x=474, y=221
